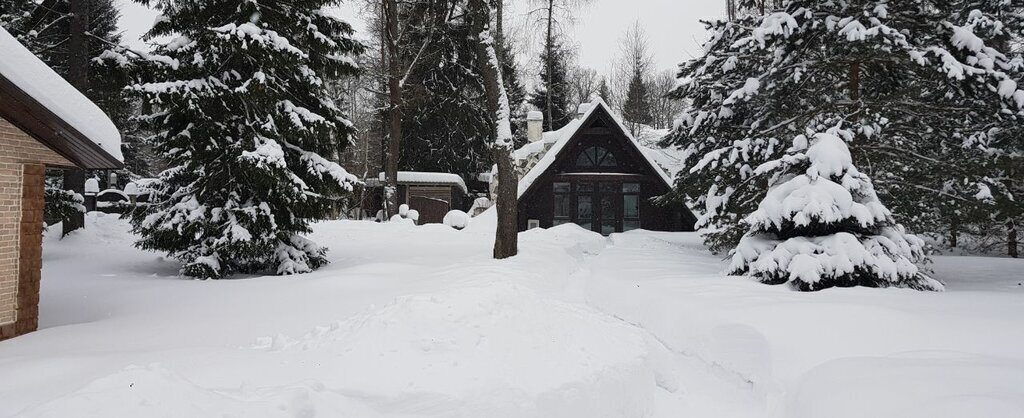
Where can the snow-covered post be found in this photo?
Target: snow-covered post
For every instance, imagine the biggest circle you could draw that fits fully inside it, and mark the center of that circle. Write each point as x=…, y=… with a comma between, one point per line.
x=132, y=191
x=92, y=188
x=506, y=240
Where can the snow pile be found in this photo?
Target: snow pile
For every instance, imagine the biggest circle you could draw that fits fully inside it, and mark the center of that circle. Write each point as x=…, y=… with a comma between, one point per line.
x=825, y=227
x=478, y=347
x=456, y=219
x=35, y=78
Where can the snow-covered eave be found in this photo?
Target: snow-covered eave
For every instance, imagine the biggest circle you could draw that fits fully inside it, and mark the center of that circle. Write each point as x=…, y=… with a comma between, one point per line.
x=565, y=137
x=39, y=102
x=429, y=178
x=43, y=125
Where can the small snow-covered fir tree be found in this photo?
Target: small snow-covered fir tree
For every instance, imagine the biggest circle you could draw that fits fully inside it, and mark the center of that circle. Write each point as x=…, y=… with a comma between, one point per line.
x=821, y=225
x=243, y=114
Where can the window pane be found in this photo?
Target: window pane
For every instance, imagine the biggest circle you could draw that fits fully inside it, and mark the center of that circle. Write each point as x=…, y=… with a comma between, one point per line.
x=584, y=160
x=631, y=187
x=561, y=222
x=561, y=187
x=608, y=210
x=609, y=188
x=585, y=187
x=631, y=206
x=608, y=161
x=584, y=208
x=630, y=225
x=562, y=206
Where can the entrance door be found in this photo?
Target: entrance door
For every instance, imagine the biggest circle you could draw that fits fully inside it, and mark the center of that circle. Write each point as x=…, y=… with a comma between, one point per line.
x=599, y=206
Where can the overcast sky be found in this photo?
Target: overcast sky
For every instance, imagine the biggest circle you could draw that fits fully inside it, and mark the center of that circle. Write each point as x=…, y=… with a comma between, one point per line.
x=672, y=25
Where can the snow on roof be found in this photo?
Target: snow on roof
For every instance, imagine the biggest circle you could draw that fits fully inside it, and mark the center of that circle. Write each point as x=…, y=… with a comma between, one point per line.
x=45, y=86
x=423, y=177
x=559, y=138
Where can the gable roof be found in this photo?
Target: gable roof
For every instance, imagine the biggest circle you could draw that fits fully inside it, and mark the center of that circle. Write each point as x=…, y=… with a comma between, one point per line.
x=45, y=106
x=558, y=140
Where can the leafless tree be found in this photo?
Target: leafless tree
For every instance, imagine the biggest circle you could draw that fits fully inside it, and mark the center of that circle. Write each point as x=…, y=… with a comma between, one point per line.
x=664, y=109
x=583, y=83
x=635, y=58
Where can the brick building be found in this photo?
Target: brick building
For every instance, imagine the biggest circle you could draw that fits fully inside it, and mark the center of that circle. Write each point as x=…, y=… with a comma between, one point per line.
x=44, y=122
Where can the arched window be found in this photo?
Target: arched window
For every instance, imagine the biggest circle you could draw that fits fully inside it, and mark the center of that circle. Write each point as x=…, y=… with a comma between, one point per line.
x=596, y=157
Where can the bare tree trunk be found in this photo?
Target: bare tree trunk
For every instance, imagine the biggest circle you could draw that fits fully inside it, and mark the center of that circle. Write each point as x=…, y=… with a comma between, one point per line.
x=394, y=134
x=78, y=73
x=1011, y=239
x=506, y=237
x=550, y=120
x=954, y=233
x=499, y=29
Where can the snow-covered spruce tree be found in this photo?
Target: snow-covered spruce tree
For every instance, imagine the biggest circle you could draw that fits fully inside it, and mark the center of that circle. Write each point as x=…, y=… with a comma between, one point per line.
x=821, y=224
x=243, y=116
x=445, y=122
x=932, y=102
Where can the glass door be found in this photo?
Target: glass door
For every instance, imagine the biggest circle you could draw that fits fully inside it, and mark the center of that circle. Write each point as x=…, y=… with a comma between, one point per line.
x=610, y=214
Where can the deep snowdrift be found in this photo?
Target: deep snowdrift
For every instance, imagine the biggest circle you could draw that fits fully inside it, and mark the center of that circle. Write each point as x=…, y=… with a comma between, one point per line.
x=419, y=322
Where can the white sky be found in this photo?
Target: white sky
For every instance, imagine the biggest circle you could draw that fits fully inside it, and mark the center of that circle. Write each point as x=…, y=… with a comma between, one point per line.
x=673, y=27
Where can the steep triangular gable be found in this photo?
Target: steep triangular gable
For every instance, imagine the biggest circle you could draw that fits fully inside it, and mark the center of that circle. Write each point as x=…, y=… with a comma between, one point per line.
x=598, y=110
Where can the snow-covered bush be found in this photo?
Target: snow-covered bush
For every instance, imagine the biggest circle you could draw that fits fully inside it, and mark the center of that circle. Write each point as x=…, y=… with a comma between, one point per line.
x=456, y=219
x=404, y=210
x=413, y=215
x=821, y=225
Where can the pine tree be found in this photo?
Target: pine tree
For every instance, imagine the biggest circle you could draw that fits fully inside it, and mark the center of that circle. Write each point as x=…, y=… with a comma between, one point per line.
x=244, y=116
x=560, y=108
x=636, y=110
x=932, y=105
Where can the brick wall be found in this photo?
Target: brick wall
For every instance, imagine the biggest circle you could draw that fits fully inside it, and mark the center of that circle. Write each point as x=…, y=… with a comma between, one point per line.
x=23, y=163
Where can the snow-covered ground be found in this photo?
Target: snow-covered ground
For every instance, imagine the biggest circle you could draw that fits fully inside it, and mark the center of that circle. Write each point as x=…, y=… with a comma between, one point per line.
x=419, y=322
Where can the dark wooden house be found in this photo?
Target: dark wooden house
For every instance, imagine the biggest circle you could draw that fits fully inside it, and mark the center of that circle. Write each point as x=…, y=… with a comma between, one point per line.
x=594, y=173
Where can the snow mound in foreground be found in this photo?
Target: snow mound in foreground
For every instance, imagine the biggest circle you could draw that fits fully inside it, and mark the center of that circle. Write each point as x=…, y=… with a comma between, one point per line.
x=154, y=391
x=926, y=384
x=499, y=348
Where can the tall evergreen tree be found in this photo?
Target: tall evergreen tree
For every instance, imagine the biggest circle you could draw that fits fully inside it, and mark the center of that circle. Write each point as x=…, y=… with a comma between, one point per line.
x=915, y=83
x=445, y=120
x=636, y=109
x=244, y=115
x=516, y=92
x=557, y=86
